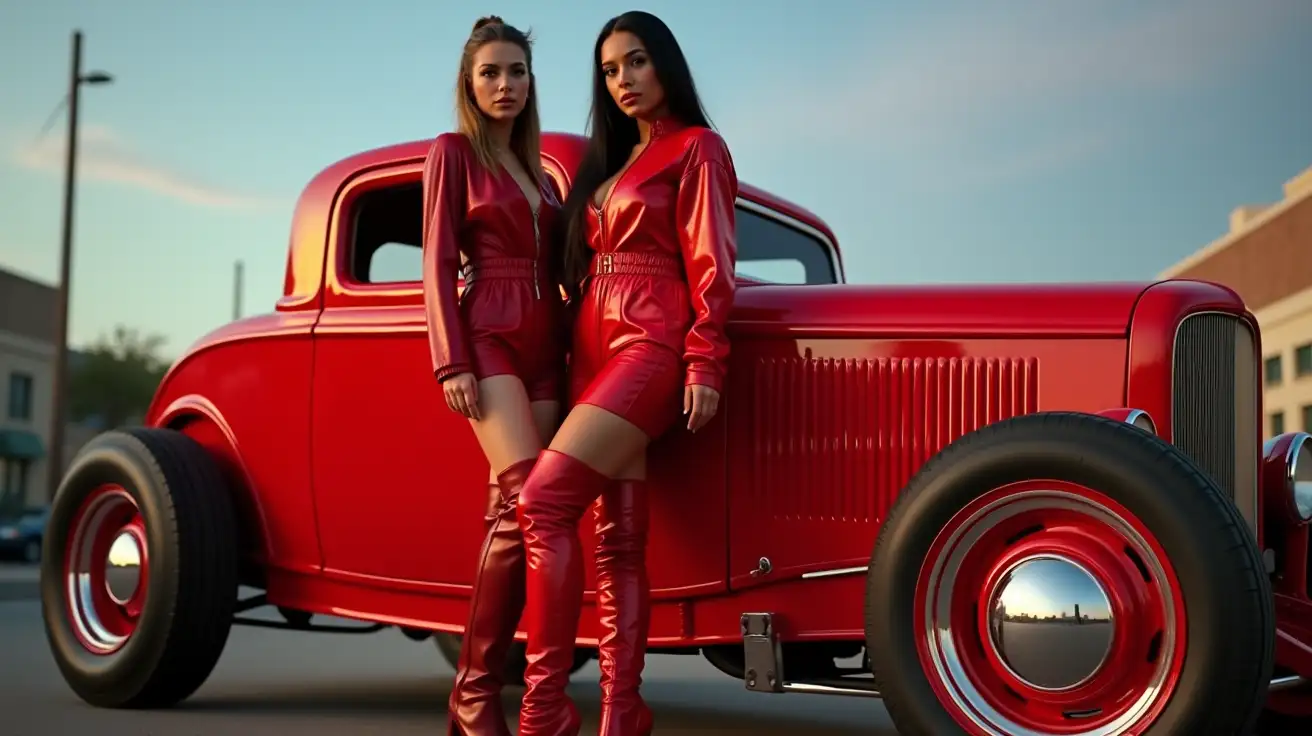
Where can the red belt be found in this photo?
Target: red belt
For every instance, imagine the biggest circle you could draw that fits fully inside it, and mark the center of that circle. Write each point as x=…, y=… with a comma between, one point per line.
x=638, y=264
x=501, y=268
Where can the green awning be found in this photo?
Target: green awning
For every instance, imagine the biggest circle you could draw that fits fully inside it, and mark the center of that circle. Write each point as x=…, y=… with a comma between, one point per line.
x=20, y=444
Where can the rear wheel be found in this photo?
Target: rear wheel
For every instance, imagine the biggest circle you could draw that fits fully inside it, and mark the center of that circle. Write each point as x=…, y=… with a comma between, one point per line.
x=139, y=572
x=1068, y=574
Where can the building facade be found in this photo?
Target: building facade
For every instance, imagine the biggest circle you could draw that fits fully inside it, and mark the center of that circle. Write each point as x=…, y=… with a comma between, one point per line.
x=27, y=361
x=1267, y=258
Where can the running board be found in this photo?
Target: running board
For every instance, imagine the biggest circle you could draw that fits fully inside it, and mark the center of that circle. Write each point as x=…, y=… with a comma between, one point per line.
x=763, y=666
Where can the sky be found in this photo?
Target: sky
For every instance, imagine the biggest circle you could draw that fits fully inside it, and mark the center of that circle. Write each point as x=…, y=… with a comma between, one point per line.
x=943, y=141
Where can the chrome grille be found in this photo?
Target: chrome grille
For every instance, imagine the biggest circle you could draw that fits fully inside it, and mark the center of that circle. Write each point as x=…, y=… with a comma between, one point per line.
x=1216, y=403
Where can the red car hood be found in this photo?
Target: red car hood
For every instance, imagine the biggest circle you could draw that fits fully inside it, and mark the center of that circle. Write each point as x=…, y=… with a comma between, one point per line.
x=937, y=311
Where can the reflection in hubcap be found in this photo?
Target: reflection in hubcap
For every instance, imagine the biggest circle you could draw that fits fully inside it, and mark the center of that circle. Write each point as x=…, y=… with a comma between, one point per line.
x=1050, y=622
x=123, y=567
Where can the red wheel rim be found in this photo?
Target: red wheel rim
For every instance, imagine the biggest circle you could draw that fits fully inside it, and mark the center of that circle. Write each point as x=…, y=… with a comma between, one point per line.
x=106, y=570
x=1019, y=555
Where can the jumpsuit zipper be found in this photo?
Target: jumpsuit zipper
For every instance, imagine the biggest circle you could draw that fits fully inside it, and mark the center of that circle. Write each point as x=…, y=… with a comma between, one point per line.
x=601, y=223
x=537, y=247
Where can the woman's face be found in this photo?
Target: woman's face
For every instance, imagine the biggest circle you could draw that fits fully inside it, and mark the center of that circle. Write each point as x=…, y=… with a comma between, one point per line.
x=631, y=77
x=500, y=80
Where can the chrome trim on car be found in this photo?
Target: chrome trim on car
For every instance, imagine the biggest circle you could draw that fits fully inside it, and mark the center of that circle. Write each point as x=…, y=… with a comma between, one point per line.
x=1137, y=414
x=1300, y=492
x=836, y=572
x=1286, y=683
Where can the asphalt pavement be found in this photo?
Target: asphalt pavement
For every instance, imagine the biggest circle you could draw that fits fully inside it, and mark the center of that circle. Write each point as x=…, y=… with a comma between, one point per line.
x=285, y=683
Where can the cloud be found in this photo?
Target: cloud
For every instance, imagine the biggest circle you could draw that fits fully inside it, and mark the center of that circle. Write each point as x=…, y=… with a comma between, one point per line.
x=984, y=77
x=105, y=156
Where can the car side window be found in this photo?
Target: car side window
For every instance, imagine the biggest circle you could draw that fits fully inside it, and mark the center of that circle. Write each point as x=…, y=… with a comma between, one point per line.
x=771, y=250
x=388, y=223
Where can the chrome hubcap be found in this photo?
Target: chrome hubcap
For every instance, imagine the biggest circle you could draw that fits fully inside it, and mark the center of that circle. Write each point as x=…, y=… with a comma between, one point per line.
x=1050, y=622
x=123, y=567
x=107, y=572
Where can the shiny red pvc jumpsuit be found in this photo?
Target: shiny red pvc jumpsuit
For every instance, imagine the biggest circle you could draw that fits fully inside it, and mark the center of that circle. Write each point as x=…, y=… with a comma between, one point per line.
x=651, y=321
x=510, y=318
x=652, y=316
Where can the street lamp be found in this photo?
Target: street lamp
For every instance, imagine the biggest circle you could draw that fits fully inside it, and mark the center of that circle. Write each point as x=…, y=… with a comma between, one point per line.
x=60, y=388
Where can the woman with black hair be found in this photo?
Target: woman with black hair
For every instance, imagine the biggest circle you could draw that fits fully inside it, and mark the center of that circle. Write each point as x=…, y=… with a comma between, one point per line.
x=649, y=255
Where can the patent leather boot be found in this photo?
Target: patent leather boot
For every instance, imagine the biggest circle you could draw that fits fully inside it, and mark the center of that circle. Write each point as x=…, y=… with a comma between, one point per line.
x=551, y=506
x=494, y=611
x=623, y=607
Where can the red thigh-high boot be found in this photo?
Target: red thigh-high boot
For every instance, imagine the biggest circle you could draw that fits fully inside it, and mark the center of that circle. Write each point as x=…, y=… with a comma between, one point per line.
x=557, y=494
x=494, y=611
x=623, y=607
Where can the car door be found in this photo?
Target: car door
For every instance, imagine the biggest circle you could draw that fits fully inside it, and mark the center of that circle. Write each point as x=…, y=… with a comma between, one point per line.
x=399, y=480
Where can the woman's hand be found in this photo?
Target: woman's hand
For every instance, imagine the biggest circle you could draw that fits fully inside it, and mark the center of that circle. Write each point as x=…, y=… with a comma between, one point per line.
x=699, y=403
x=461, y=392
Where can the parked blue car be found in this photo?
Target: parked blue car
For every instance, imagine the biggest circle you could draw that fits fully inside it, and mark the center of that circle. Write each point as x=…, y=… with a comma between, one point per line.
x=21, y=533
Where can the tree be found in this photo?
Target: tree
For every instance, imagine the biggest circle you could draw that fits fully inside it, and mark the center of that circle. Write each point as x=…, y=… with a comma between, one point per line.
x=114, y=380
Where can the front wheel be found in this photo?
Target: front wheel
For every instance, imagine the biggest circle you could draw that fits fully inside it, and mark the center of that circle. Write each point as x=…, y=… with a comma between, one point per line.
x=1068, y=574
x=139, y=571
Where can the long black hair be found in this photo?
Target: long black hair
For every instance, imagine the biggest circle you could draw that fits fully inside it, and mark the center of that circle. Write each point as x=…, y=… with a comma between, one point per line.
x=612, y=134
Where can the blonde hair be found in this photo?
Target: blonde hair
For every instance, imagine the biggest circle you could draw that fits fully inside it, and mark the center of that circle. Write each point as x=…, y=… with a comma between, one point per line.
x=525, y=134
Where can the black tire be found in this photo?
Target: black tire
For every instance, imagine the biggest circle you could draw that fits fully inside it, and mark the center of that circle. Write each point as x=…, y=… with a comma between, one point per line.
x=190, y=533
x=516, y=658
x=1229, y=653
x=32, y=552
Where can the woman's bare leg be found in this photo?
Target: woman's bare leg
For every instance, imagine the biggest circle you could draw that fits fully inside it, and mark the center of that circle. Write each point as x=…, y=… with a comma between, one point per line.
x=546, y=417
x=509, y=431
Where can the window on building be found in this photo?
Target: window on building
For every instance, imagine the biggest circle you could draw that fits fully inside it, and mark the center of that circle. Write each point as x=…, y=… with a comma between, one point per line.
x=1274, y=370
x=1303, y=360
x=1277, y=423
x=13, y=484
x=1307, y=417
x=20, y=396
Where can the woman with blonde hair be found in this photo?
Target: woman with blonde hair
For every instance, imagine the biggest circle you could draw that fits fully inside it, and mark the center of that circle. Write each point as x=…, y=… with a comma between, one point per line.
x=497, y=348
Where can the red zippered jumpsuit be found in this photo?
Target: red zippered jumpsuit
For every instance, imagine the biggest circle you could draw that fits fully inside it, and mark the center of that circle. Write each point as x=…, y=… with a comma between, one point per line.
x=508, y=320
x=651, y=320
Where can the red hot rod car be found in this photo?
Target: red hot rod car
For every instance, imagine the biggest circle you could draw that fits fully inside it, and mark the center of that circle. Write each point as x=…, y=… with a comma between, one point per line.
x=1037, y=509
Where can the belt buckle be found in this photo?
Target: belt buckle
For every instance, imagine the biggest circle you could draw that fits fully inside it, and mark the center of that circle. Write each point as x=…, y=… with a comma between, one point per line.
x=606, y=264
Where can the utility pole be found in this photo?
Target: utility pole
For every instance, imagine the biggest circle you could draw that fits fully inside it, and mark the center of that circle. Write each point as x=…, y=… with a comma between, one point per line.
x=236, y=291
x=60, y=388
